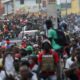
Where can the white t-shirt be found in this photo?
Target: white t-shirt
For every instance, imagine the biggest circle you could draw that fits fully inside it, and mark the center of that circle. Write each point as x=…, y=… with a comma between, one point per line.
x=76, y=28
x=34, y=77
x=69, y=62
x=9, y=67
x=1, y=78
x=35, y=67
x=2, y=75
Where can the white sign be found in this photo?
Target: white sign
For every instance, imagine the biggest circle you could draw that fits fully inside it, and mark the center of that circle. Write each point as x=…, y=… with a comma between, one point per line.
x=52, y=12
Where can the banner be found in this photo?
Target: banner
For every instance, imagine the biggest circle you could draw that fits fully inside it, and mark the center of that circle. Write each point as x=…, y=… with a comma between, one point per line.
x=47, y=63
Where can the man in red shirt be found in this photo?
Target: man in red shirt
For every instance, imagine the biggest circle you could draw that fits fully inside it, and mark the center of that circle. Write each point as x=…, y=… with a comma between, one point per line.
x=48, y=62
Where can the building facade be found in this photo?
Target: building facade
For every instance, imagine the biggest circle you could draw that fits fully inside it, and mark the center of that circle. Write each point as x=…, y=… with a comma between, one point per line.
x=20, y=6
x=1, y=8
x=74, y=8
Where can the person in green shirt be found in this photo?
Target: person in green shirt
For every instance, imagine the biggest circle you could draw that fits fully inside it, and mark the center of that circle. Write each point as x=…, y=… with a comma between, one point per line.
x=52, y=35
x=30, y=50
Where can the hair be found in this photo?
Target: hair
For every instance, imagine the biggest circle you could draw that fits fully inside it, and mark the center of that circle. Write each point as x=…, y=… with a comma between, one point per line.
x=46, y=46
x=23, y=52
x=24, y=67
x=24, y=63
x=49, y=24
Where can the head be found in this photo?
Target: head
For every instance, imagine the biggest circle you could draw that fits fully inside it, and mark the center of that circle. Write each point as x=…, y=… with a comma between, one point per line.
x=46, y=45
x=7, y=40
x=29, y=50
x=49, y=24
x=32, y=59
x=23, y=52
x=24, y=72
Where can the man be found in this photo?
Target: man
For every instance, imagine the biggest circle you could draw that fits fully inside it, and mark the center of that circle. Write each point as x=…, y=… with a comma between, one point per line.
x=52, y=35
x=57, y=41
x=48, y=61
x=63, y=25
x=26, y=74
x=69, y=66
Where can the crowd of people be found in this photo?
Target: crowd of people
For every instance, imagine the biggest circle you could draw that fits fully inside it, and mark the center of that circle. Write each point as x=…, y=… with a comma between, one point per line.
x=73, y=22
x=11, y=26
x=56, y=56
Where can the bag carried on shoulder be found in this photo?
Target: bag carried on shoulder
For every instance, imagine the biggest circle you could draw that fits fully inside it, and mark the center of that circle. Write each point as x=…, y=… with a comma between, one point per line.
x=47, y=63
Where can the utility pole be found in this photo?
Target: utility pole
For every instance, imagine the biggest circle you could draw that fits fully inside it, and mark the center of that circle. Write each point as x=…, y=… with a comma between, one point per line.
x=66, y=7
x=79, y=5
x=60, y=7
x=39, y=2
x=14, y=1
x=7, y=8
x=52, y=12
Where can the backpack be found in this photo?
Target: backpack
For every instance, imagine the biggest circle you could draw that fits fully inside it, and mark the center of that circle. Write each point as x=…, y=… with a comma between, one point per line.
x=61, y=40
x=47, y=63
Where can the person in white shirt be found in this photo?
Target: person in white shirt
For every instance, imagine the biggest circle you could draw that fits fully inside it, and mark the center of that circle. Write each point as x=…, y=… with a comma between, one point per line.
x=1, y=78
x=9, y=63
x=70, y=67
x=2, y=75
x=70, y=60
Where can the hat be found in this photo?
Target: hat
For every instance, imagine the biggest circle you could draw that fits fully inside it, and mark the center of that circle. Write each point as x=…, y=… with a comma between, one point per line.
x=29, y=48
x=24, y=37
x=46, y=40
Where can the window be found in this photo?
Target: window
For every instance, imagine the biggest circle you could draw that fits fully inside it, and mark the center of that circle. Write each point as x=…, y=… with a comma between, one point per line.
x=21, y=1
x=51, y=1
x=44, y=3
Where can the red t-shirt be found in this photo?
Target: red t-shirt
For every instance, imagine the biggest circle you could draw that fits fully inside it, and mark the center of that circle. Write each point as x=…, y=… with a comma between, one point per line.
x=55, y=57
